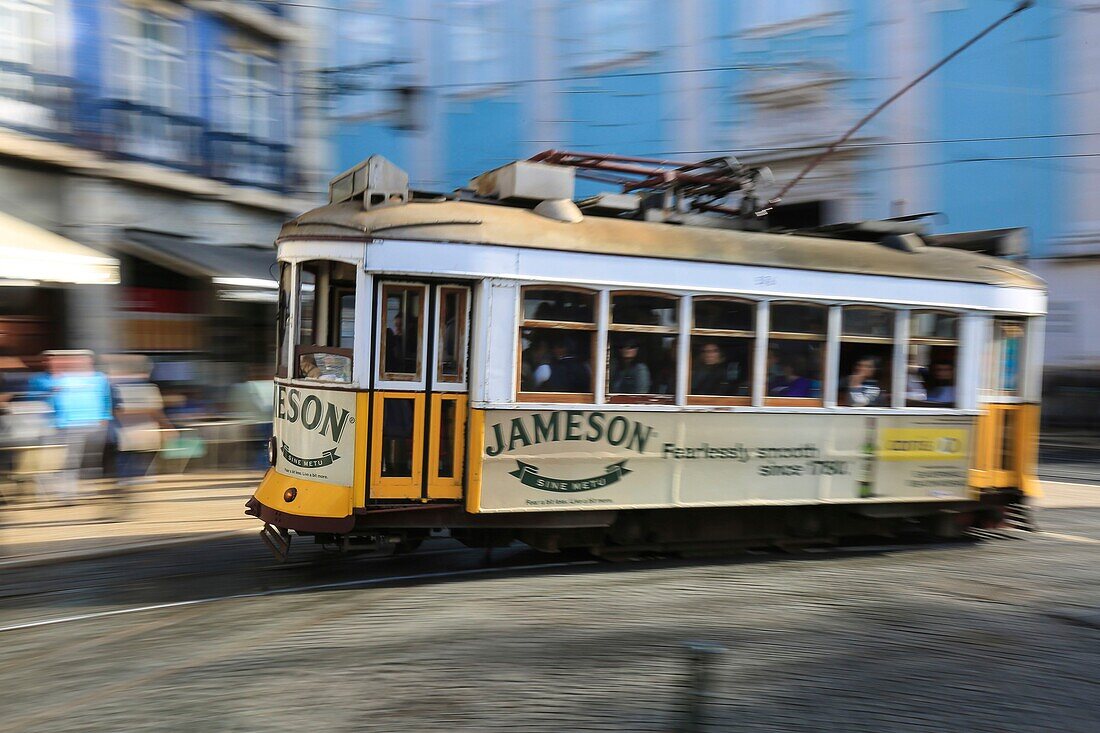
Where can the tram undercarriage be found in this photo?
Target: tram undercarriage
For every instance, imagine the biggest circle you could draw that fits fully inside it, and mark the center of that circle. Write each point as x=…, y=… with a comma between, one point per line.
x=620, y=534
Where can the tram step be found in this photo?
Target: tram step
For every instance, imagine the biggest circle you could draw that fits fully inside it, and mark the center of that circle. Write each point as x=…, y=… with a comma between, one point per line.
x=1020, y=516
x=277, y=540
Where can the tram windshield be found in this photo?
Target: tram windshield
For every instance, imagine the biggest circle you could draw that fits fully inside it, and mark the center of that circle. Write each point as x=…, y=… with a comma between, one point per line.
x=326, y=321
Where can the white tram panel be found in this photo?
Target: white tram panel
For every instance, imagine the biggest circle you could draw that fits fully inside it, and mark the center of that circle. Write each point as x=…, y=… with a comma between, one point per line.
x=452, y=259
x=566, y=459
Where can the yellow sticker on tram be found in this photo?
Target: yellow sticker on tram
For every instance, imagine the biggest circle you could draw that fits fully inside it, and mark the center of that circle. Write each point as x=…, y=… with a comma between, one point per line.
x=923, y=444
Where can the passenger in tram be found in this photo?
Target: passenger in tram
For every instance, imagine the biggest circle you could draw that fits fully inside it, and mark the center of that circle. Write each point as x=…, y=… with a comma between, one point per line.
x=713, y=374
x=399, y=360
x=788, y=376
x=535, y=366
x=941, y=383
x=567, y=372
x=628, y=374
x=915, y=389
x=861, y=387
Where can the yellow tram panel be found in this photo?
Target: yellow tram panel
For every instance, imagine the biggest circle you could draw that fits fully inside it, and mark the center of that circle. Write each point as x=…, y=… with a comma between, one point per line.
x=310, y=498
x=396, y=487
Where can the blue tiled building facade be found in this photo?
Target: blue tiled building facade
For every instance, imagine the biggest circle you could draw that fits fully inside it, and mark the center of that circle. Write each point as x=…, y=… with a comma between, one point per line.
x=1002, y=137
x=153, y=131
x=181, y=85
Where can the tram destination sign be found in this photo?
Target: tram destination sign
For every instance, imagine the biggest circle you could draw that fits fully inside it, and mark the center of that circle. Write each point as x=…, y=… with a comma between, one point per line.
x=316, y=433
x=576, y=459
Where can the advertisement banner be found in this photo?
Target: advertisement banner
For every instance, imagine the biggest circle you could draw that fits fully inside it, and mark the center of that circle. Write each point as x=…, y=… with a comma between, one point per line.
x=316, y=433
x=578, y=459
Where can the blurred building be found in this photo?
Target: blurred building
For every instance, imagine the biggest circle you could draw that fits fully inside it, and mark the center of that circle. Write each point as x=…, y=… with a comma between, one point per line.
x=167, y=139
x=999, y=140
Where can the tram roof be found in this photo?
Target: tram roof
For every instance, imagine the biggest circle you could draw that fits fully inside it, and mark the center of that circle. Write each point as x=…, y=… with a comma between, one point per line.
x=490, y=224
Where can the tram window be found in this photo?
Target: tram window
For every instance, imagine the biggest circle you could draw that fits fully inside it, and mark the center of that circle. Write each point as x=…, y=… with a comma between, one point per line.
x=556, y=360
x=866, y=356
x=556, y=341
x=446, y=438
x=572, y=306
x=307, y=285
x=644, y=310
x=800, y=318
x=451, y=349
x=932, y=354
x=642, y=347
x=1006, y=354
x=282, y=318
x=402, y=317
x=723, y=332
x=796, y=350
x=397, y=436
x=724, y=314
x=326, y=321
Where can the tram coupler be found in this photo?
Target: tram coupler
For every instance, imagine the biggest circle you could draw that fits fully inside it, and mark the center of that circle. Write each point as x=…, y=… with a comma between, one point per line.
x=277, y=540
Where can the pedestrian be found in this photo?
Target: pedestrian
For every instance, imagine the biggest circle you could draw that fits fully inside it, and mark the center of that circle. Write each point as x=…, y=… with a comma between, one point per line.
x=138, y=427
x=80, y=398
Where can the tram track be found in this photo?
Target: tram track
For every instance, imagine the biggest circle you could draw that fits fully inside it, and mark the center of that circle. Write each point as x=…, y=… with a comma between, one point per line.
x=502, y=568
x=346, y=584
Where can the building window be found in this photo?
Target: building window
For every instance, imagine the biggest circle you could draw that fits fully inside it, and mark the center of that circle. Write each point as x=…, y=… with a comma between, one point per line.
x=149, y=50
x=723, y=332
x=29, y=46
x=366, y=53
x=641, y=346
x=796, y=353
x=249, y=89
x=933, y=350
x=614, y=30
x=557, y=340
x=866, y=356
x=28, y=34
x=477, y=41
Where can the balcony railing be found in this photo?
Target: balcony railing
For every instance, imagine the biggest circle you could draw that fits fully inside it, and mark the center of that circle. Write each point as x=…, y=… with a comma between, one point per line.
x=138, y=132
x=35, y=102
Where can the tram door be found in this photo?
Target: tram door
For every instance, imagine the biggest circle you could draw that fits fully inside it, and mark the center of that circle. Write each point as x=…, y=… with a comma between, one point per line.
x=418, y=415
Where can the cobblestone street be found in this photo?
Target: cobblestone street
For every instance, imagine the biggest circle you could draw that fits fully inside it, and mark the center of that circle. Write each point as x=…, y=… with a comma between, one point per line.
x=1001, y=635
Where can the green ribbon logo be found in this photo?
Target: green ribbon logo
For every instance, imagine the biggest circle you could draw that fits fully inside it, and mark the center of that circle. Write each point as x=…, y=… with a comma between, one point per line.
x=326, y=459
x=529, y=476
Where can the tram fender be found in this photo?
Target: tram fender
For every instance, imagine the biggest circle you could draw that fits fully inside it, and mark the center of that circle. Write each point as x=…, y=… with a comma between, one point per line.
x=276, y=518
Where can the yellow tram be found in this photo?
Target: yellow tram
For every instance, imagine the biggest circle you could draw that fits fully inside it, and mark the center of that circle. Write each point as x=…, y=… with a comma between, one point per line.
x=629, y=372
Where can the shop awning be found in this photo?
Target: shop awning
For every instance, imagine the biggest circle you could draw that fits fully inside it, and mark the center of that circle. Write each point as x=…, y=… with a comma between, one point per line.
x=238, y=273
x=30, y=255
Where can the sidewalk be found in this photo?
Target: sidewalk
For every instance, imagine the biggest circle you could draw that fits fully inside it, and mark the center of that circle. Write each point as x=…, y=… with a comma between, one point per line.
x=167, y=510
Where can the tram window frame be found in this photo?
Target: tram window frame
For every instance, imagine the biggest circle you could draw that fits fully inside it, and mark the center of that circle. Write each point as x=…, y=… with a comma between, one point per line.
x=821, y=338
x=560, y=329
x=283, y=320
x=877, y=347
x=701, y=334
x=935, y=347
x=332, y=281
x=402, y=380
x=995, y=370
x=639, y=332
x=461, y=337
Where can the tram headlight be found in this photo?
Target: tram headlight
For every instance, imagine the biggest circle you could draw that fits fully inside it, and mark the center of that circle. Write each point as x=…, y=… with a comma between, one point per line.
x=290, y=494
x=272, y=450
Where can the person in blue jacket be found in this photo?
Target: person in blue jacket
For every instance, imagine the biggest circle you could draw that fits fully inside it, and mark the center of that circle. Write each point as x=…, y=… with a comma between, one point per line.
x=80, y=398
